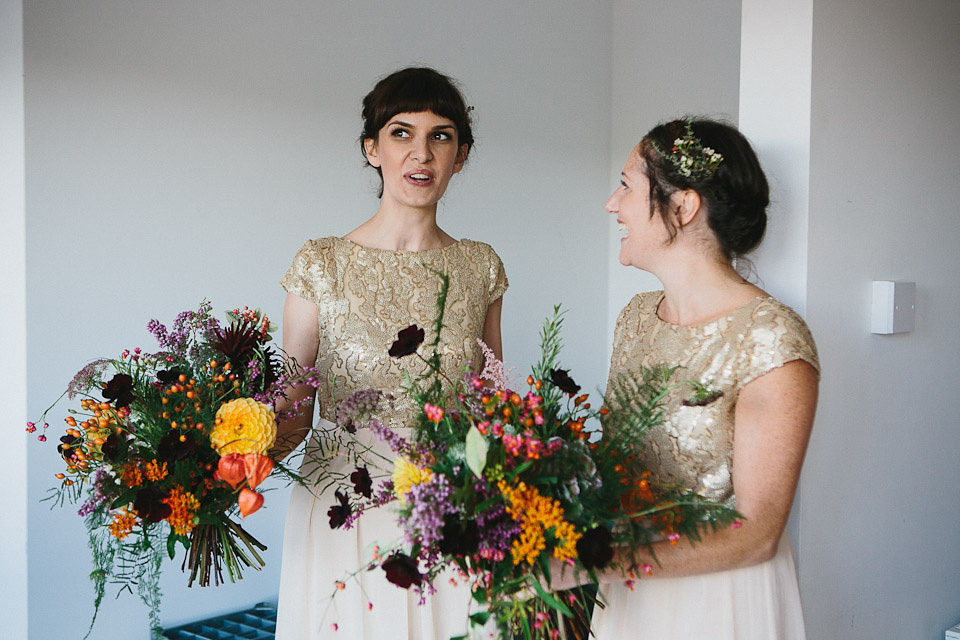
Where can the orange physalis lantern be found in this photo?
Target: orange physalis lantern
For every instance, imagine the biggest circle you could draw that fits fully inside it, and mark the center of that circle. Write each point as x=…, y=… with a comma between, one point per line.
x=250, y=501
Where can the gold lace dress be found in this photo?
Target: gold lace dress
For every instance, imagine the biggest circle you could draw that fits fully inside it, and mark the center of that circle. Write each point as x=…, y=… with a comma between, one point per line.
x=364, y=297
x=694, y=447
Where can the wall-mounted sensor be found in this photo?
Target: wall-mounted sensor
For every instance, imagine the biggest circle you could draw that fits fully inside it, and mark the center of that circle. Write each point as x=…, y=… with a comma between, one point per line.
x=893, y=306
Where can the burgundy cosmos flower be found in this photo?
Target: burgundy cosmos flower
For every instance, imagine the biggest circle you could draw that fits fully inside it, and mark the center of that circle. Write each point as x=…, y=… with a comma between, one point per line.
x=66, y=449
x=595, y=548
x=339, y=513
x=459, y=537
x=407, y=341
x=120, y=390
x=111, y=447
x=150, y=506
x=171, y=449
x=362, y=483
x=168, y=376
x=402, y=571
x=561, y=379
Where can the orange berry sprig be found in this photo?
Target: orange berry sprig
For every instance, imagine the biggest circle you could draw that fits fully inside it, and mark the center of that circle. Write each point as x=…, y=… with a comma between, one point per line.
x=180, y=395
x=83, y=443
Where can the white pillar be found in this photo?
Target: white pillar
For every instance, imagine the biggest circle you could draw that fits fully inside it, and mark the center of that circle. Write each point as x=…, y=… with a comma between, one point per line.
x=776, y=47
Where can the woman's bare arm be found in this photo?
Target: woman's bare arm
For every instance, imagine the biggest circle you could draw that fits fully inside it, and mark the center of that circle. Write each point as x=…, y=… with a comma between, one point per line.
x=774, y=418
x=491, y=328
x=301, y=339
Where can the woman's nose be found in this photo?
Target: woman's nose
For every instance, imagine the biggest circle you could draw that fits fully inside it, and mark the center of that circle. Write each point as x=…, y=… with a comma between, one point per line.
x=611, y=206
x=422, y=151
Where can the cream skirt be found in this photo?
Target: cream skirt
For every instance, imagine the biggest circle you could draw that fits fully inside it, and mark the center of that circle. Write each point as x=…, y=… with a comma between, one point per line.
x=369, y=607
x=761, y=602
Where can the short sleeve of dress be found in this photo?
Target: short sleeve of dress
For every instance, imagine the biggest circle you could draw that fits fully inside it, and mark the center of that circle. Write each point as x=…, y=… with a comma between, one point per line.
x=312, y=270
x=498, y=282
x=777, y=335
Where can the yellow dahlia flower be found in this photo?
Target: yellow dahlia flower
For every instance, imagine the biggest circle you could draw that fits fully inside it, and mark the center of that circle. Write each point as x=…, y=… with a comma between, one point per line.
x=407, y=475
x=244, y=426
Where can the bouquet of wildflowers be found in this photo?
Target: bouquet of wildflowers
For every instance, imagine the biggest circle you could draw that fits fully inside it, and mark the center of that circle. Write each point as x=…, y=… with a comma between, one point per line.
x=495, y=482
x=167, y=448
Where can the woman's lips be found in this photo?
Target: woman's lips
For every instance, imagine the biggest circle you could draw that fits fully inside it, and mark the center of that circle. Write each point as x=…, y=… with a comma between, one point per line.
x=419, y=177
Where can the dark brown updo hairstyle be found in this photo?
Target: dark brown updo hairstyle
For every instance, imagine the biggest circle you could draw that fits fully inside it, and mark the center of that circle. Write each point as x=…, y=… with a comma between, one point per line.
x=736, y=191
x=413, y=90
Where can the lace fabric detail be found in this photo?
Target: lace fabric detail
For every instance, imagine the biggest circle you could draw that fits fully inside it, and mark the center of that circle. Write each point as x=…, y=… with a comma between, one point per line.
x=365, y=296
x=694, y=445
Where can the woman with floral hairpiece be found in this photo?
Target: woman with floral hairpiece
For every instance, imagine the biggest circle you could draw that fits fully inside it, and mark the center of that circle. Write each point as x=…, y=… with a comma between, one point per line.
x=692, y=199
x=346, y=300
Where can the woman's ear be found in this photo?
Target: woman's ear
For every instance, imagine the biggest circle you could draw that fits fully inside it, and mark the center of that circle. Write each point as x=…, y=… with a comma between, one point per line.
x=461, y=157
x=370, y=150
x=687, y=206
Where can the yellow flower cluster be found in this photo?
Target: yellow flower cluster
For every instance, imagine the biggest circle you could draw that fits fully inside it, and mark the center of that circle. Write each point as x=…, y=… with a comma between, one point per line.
x=184, y=505
x=123, y=524
x=156, y=472
x=538, y=514
x=244, y=426
x=407, y=475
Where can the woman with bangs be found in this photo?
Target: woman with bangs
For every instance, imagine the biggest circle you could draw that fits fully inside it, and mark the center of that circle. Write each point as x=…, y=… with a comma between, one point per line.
x=347, y=297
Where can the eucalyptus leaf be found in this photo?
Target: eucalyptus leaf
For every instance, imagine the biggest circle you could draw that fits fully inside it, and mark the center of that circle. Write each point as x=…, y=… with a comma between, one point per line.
x=476, y=450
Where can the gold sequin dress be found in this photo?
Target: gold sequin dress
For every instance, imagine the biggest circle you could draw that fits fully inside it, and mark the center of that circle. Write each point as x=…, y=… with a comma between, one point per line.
x=364, y=297
x=694, y=447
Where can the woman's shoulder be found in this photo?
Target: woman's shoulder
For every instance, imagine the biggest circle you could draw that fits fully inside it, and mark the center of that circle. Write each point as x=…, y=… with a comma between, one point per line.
x=632, y=317
x=487, y=264
x=475, y=247
x=316, y=245
x=642, y=304
x=313, y=264
x=320, y=251
x=778, y=330
x=769, y=311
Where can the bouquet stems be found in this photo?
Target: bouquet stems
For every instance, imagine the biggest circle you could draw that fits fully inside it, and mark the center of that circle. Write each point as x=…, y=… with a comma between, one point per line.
x=216, y=544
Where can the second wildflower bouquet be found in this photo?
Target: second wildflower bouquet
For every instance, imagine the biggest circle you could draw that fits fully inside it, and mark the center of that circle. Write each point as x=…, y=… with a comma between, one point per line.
x=167, y=448
x=495, y=482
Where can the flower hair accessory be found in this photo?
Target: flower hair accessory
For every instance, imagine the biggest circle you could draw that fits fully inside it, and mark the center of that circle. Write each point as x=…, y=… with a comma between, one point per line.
x=690, y=157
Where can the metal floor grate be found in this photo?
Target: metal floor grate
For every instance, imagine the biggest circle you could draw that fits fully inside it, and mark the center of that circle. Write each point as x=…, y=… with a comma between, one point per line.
x=258, y=623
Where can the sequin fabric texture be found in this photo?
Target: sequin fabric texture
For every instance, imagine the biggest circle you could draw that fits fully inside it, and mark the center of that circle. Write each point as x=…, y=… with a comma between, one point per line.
x=365, y=296
x=694, y=445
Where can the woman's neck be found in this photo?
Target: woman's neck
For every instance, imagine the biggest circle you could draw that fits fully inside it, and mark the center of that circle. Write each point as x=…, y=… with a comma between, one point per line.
x=401, y=229
x=700, y=289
